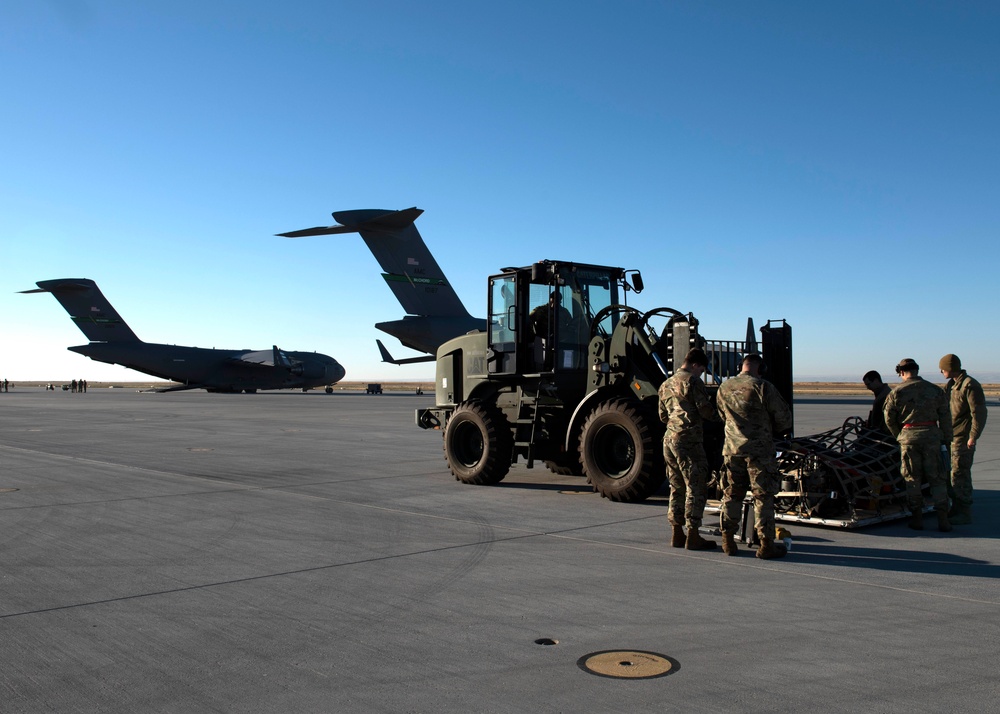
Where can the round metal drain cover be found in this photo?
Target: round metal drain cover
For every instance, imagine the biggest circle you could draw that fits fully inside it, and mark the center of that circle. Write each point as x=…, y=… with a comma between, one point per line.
x=628, y=664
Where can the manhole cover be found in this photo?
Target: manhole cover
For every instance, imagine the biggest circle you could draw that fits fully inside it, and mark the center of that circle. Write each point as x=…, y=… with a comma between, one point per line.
x=628, y=664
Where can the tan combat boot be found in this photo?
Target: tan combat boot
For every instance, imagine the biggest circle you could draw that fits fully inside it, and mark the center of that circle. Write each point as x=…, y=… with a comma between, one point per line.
x=769, y=549
x=729, y=544
x=696, y=542
x=962, y=517
x=678, y=537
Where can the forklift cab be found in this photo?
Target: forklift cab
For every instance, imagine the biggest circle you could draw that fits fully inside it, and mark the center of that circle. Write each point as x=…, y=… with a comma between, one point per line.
x=541, y=317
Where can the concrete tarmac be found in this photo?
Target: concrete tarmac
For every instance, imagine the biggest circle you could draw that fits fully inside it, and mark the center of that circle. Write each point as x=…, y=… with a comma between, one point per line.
x=289, y=552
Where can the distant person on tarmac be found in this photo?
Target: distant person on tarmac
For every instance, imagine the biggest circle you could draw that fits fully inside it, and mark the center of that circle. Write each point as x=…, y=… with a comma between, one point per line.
x=968, y=416
x=873, y=382
x=749, y=406
x=684, y=404
x=918, y=416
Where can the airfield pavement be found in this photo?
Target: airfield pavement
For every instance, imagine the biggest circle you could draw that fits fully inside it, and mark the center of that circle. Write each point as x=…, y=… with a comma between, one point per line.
x=289, y=552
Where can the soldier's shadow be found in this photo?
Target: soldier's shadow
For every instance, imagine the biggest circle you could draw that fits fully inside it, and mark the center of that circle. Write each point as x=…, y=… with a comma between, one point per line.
x=892, y=560
x=819, y=545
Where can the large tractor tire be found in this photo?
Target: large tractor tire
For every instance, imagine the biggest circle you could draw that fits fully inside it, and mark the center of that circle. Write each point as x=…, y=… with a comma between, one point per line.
x=478, y=443
x=621, y=451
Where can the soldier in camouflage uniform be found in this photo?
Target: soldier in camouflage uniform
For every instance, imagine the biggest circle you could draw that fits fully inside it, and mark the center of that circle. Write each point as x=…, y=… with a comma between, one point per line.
x=968, y=417
x=918, y=416
x=876, y=418
x=749, y=406
x=684, y=404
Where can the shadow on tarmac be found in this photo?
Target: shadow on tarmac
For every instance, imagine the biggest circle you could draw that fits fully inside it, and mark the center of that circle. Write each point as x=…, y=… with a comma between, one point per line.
x=893, y=560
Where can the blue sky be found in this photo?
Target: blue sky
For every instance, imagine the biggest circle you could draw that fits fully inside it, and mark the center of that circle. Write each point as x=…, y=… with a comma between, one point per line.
x=835, y=165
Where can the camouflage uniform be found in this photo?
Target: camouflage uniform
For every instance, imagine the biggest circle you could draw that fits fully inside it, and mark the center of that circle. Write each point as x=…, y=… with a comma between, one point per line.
x=749, y=405
x=968, y=414
x=876, y=419
x=684, y=404
x=917, y=415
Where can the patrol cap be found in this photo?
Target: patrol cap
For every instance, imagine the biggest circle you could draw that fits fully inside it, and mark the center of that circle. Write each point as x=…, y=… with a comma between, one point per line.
x=907, y=365
x=950, y=363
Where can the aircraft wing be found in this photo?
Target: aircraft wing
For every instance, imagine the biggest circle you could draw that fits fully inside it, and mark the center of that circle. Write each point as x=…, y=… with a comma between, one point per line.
x=386, y=357
x=177, y=388
x=273, y=357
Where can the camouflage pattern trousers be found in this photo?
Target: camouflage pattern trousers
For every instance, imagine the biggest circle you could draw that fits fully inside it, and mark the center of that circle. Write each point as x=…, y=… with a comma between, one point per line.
x=758, y=474
x=687, y=471
x=961, y=471
x=922, y=462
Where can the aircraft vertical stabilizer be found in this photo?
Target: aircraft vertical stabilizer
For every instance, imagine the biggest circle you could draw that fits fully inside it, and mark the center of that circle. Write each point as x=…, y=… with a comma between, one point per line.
x=434, y=312
x=89, y=309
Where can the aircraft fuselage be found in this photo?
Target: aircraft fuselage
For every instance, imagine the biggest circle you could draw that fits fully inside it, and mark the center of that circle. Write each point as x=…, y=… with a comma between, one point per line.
x=215, y=369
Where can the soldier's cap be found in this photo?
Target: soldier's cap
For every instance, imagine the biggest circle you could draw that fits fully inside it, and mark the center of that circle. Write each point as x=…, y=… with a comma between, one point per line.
x=950, y=363
x=907, y=365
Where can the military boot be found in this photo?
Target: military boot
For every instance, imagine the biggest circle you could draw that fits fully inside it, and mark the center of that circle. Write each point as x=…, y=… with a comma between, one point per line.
x=943, y=525
x=696, y=542
x=769, y=549
x=962, y=517
x=916, y=520
x=729, y=544
x=678, y=538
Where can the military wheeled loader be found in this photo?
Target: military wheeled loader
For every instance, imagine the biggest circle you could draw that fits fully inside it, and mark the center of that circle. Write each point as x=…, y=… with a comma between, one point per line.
x=567, y=373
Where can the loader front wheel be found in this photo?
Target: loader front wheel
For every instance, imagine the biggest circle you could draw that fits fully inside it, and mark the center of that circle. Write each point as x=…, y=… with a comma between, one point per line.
x=621, y=452
x=478, y=444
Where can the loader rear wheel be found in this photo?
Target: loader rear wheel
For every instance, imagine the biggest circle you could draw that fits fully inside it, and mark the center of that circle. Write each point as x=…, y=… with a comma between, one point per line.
x=478, y=444
x=621, y=452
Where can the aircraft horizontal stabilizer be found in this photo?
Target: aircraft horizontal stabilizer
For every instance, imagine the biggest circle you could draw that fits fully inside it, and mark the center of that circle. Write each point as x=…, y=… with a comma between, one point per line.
x=386, y=357
x=65, y=285
x=355, y=221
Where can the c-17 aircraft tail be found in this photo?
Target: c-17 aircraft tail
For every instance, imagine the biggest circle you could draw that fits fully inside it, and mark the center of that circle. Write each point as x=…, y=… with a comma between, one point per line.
x=88, y=308
x=435, y=313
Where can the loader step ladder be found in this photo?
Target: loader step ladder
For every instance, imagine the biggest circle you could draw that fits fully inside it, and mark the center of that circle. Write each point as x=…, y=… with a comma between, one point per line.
x=527, y=419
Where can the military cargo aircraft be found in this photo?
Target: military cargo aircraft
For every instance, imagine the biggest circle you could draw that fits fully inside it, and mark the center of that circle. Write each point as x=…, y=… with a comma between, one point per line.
x=435, y=313
x=112, y=341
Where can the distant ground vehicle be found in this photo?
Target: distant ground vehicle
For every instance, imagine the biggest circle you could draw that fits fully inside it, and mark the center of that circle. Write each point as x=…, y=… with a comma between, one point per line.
x=374, y=388
x=568, y=374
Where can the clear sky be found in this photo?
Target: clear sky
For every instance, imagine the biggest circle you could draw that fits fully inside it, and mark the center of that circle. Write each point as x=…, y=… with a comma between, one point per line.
x=832, y=164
